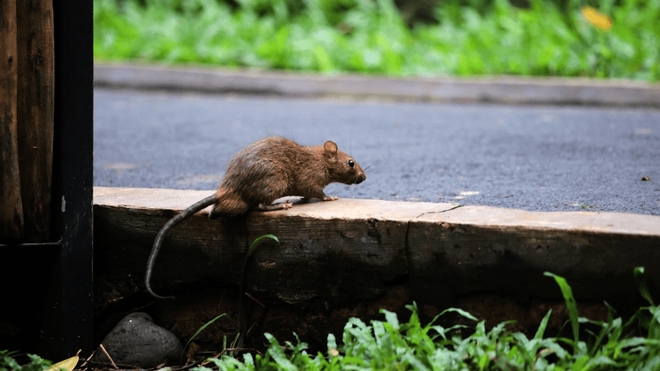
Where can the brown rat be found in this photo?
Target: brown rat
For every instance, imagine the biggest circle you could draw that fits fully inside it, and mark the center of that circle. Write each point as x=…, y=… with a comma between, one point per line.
x=264, y=171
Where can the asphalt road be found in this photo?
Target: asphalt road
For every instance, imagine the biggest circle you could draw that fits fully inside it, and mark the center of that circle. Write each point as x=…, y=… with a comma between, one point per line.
x=527, y=157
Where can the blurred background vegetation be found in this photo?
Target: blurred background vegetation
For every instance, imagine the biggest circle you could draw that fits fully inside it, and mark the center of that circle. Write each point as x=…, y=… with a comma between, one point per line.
x=604, y=39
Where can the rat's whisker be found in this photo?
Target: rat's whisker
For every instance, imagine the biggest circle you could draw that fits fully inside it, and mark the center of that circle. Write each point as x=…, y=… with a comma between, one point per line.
x=377, y=161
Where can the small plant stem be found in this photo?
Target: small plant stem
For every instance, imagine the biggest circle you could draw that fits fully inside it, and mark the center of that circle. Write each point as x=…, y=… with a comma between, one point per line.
x=108, y=355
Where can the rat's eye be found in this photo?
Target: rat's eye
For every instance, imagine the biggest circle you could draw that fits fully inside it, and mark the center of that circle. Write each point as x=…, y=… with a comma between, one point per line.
x=351, y=163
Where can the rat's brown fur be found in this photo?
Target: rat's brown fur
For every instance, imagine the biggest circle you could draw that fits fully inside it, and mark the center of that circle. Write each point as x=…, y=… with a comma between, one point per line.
x=264, y=171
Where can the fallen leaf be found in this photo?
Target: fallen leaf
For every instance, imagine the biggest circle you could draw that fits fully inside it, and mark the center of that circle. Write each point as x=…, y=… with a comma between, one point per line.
x=68, y=364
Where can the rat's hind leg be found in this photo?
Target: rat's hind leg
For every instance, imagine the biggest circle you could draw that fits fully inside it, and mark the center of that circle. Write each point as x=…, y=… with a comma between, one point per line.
x=283, y=206
x=229, y=204
x=276, y=187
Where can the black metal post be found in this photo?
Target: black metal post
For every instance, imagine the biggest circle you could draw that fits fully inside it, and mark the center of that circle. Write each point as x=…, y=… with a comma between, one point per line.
x=68, y=326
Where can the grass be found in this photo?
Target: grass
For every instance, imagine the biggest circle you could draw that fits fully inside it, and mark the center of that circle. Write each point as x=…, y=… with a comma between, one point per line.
x=391, y=345
x=36, y=363
x=470, y=37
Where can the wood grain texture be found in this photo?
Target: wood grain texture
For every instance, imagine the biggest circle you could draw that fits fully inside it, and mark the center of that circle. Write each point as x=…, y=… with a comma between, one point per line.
x=338, y=259
x=485, y=249
x=35, y=110
x=334, y=251
x=350, y=250
x=330, y=258
x=11, y=207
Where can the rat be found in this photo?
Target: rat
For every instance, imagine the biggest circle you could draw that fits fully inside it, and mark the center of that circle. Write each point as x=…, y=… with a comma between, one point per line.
x=264, y=171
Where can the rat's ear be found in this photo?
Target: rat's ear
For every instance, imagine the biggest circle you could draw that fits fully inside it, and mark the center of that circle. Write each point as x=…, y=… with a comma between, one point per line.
x=330, y=149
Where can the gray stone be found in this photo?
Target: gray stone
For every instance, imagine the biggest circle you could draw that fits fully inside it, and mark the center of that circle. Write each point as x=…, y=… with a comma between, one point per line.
x=137, y=341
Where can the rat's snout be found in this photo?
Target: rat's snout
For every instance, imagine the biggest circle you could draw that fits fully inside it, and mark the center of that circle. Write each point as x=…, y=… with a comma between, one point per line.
x=360, y=178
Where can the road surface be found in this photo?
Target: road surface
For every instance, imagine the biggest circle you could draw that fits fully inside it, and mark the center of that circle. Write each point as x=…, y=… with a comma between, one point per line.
x=535, y=158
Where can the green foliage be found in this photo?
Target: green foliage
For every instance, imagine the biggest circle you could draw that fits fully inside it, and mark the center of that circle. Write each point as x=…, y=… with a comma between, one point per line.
x=199, y=331
x=8, y=363
x=571, y=304
x=392, y=345
x=369, y=36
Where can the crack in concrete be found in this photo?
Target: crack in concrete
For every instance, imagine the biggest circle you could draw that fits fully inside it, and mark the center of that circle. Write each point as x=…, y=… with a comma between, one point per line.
x=437, y=212
x=406, y=242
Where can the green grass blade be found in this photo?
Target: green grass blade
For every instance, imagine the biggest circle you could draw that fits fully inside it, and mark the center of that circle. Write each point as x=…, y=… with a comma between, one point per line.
x=640, y=279
x=259, y=239
x=459, y=311
x=543, y=325
x=202, y=328
x=571, y=304
x=654, y=324
x=278, y=355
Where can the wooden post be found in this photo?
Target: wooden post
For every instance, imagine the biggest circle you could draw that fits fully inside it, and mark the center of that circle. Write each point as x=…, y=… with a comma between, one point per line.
x=11, y=209
x=46, y=144
x=35, y=109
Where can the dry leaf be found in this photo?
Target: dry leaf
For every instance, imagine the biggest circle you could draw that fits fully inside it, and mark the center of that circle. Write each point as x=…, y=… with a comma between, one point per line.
x=68, y=364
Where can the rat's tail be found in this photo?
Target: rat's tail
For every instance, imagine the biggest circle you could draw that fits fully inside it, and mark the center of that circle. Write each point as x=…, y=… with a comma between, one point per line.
x=197, y=206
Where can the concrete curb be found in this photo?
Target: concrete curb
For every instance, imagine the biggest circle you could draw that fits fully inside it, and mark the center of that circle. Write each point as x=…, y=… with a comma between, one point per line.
x=359, y=247
x=507, y=89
